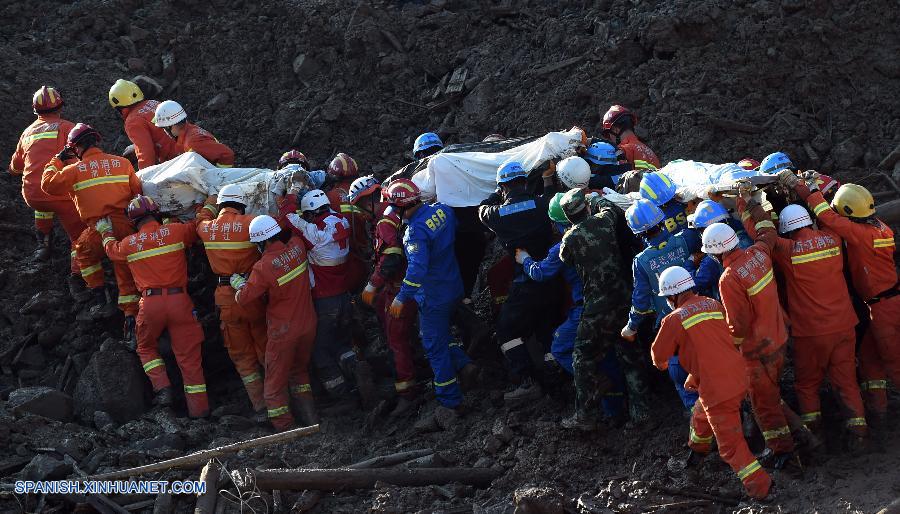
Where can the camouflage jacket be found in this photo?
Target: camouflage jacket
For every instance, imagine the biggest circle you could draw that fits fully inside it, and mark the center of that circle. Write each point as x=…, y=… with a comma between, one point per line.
x=592, y=248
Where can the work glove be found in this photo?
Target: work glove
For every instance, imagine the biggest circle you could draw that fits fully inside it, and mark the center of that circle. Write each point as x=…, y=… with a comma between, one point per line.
x=297, y=220
x=103, y=225
x=550, y=171
x=396, y=308
x=66, y=154
x=744, y=188
x=298, y=182
x=237, y=281
x=788, y=178
x=521, y=255
x=368, y=294
x=628, y=334
x=811, y=178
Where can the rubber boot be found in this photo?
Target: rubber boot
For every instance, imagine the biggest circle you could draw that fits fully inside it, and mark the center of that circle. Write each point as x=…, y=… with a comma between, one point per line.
x=468, y=377
x=405, y=405
x=362, y=373
x=579, y=421
x=128, y=333
x=304, y=407
x=528, y=390
x=42, y=253
x=77, y=289
x=165, y=397
x=102, y=309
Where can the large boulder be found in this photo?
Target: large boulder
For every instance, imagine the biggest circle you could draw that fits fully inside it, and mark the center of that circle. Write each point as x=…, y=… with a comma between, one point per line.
x=43, y=401
x=113, y=382
x=46, y=467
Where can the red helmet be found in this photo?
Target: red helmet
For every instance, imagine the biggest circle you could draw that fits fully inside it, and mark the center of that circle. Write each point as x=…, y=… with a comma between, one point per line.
x=402, y=192
x=343, y=166
x=616, y=114
x=81, y=133
x=46, y=99
x=141, y=206
x=748, y=164
x=293, y=157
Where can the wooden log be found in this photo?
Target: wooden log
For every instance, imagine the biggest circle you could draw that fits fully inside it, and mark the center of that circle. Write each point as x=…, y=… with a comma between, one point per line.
x=890, y=159
x=197, y=459
x=890, y=181
x=341, y=479
x=141, y=505
x=163, y=504
x=889, y=212
x=550, y=68
x=206, y=502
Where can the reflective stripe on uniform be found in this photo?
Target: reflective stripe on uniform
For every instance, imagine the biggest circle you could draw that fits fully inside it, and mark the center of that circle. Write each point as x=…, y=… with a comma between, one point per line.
x=761, y=283
x=638, y=311
x=816, y=256
x=302, y=388
x=41, y=215
x=509, y=345
x=90, y=270
x=403, y=386
x=883, y=243
x=856, y=422
x=334, y=382
x=291, y=275
x=99, y=181
x=162, y=250
x=873, y=384
x=811, y=416
x=108, y=239
x=228, y=245
x=392, y=250
x=701, y=317
x=387, y=220
x=748, y=470
x=129, y=298
x=413, y=284
x=818, y=209
x=155, y=363
x=211, y=208
x=347, y=355
x=695, y=438
x=776, y=433
x=548, y=357
x=278, y=411
x=53, y=134
x=194, y=389
x=444, y=384
x=346, y=207
x=252, y=377
x=764, y=224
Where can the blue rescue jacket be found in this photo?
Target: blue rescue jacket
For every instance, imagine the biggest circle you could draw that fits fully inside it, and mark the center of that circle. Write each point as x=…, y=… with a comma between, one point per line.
x=432, y=273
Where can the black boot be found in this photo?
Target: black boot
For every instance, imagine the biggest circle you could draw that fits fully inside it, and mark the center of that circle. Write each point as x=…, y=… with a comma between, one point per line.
x=101, y=308
x=165, y=397
x=42, y=253
x=128, y=333
x=77, y=289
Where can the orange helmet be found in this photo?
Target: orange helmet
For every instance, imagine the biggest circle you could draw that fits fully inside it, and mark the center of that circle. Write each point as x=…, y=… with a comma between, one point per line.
x=141, y=206
x=618, y=114
x=46, y=99
x=82, y=134
x=402, y=192
x=748, y=164
x=343, y=166
x=293, y=157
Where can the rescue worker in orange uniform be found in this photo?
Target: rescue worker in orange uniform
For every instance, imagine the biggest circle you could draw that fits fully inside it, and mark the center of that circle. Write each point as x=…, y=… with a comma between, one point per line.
x=171, y=117
x=384, y=284
x=343, y=170
x=151, y=144
x=822, y=317
x=618, y=128
x=697, y=332
x=282, y=273
x=226, y=238
x=870, y=255
x=156, y=256
x=293, y=157
x=101, y=186
x=757, y=324
x=44, y=138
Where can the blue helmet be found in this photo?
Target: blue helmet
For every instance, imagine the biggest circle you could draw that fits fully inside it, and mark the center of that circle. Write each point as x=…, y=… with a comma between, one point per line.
x=602, y=153
x=707, y=213
x=426, y=141
x=775, y=162
x=657, y=187
x=510, y=171
x=643, y=215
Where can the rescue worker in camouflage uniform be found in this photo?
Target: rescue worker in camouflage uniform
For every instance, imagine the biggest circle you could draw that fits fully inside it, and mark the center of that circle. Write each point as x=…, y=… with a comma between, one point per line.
x=592, y=248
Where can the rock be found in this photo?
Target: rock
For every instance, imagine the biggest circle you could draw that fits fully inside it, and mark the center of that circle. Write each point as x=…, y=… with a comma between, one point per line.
x=483, y=462
x=538, y=500
x=136, y=64
x=138, y=34
x=847, y=153
x=49, y=337
x=173, y=441
x=217, y=102
x=492, y=444
x=502, y=431
x=445, y=418
x=168, y=65
x=103, y=421
x=893, y=508
x=792, y=6
x=113, y=382
x=46, y=467
x=149, y=86
x=305, y=67
x=32, y=357
x=42, y=401
x=236, y=423
x=46, y=300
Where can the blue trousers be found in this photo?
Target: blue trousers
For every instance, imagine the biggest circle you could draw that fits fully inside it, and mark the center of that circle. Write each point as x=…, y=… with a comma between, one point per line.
x=445, y=358
x=678, y=376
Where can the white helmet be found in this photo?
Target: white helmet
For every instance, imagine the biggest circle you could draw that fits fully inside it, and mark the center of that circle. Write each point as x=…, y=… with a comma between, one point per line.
x=573, y=172
x=262, y=228
x=719, y=238
x=363, y=186
x=793, y=217
x=675, y=280
x=312, y=200
x=231, y=193
x=169, y=113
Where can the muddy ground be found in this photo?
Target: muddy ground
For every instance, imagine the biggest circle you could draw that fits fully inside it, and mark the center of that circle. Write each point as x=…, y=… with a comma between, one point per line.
x=711, y=81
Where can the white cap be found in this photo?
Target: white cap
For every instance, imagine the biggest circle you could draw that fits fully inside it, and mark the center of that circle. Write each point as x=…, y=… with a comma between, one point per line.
x=231, y=193
x=262, y=228
x=793, y=217
x=719, y=238
x=574, y=172
x=169, y=113
x=675, y=280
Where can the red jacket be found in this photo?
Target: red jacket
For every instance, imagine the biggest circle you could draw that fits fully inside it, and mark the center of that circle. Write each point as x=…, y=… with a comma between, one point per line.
x=195, y=139
x=636, y=150
x=388, y=249
x=813, y=268
x=358, y=219
x=40, y=142
x=697, y=332
x=151, y=144
x=750, y=296
x=870, y=247
x=155, y=253
x=283, y=273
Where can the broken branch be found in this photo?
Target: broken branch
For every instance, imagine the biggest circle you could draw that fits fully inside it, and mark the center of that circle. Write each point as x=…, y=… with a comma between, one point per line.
x=206, y=502
x=340, y=479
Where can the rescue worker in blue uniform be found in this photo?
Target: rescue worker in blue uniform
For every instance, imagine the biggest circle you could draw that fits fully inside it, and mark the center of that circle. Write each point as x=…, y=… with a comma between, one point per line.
x=706, y=274
x=519, y=219
x=433, y=281
x=605, y=168
x=663, y=251
x=659, y=189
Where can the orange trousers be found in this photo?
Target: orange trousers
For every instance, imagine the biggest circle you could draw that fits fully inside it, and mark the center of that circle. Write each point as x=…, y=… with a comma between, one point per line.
x=834, y=356
x=89, y=254
x=244, y=333
x=288, y=352
x=46, y=210
x=723, y=421
x=765, y=397
x=175, y=313
x=399, y=333
x=879, y=354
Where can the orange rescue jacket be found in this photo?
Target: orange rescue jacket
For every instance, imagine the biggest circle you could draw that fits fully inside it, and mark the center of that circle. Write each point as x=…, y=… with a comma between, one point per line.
x=155, y=253
x=227, y=241
x=40, y=142
x=636, y=150
x=151, y=144
x=283, y=273
x=196, y=139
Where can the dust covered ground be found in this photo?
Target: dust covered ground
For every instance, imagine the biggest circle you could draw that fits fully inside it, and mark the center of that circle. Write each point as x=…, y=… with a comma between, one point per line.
x=711, y=80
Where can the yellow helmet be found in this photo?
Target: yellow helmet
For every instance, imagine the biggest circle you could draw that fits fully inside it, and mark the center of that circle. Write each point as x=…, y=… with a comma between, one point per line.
x=853, y=201
x=124, y=93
